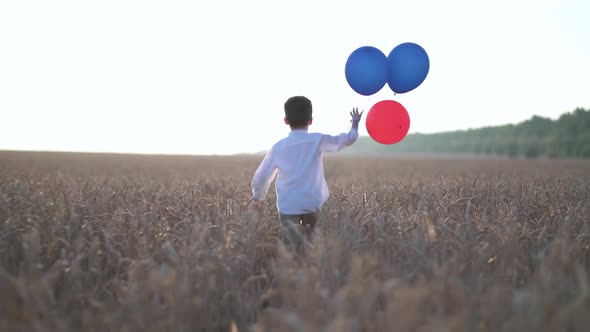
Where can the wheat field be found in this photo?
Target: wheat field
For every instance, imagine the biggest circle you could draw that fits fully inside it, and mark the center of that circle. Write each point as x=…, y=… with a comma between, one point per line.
x=92, y=242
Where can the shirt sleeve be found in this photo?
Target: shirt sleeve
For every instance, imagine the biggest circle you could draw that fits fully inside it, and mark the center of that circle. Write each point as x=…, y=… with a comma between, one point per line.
x=263, y=177
x=336, y=143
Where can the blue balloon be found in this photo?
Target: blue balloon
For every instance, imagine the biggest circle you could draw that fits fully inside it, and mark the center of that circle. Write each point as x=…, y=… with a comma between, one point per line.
x=366, y=70
x=408, y=67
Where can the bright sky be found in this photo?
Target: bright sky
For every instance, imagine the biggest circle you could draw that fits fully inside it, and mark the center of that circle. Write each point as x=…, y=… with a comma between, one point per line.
x=212, y=76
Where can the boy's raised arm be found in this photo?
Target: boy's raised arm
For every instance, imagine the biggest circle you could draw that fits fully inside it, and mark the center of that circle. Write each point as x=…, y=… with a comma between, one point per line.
x=263, y=177
x=331, y=143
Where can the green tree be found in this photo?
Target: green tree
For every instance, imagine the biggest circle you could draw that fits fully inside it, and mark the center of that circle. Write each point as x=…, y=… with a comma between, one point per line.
x=568, y=136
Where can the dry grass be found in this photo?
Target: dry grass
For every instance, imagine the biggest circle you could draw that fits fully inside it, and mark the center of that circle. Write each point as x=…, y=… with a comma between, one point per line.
x=136, y=243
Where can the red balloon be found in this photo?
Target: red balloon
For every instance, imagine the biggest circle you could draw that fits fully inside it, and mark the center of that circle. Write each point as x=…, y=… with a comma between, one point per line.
x=388, y=122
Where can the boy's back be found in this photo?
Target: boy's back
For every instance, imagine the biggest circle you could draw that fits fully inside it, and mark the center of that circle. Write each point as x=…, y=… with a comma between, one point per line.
x=297, y=159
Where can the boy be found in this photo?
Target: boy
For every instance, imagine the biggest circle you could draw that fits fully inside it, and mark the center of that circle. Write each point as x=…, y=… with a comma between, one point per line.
x=297, y=161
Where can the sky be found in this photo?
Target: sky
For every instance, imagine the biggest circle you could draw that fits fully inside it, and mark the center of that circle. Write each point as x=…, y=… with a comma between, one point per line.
x=211, y=77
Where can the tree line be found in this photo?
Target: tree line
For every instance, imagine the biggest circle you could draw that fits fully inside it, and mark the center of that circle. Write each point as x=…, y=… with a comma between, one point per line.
x=566, y=137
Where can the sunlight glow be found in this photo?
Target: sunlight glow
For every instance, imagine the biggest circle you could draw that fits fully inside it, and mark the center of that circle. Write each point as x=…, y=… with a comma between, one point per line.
x=200, y=77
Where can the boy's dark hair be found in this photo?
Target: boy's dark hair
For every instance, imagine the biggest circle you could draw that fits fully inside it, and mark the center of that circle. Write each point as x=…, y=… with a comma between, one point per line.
x=298, y=111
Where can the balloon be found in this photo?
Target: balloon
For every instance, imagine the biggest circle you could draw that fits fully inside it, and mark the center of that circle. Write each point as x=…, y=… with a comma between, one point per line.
x=408, y=66
x=366, y=70
x=388, y=122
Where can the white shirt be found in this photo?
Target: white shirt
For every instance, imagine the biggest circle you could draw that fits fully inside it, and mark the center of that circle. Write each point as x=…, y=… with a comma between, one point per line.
x=297, y=162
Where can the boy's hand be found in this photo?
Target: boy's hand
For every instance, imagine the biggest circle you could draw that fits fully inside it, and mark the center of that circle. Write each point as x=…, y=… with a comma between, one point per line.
x=356, y=117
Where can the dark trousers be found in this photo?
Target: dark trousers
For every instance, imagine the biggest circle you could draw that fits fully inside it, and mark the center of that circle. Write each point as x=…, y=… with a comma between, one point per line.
x=296, y=229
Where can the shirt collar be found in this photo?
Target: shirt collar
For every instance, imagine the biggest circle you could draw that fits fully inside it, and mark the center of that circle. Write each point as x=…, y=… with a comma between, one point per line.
x=298, y=132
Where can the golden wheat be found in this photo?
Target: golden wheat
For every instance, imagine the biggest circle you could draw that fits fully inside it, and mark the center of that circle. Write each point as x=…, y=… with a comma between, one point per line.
x=149, y=243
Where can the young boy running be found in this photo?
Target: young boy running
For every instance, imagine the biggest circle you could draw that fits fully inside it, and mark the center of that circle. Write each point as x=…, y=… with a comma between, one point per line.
x=297, y=163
